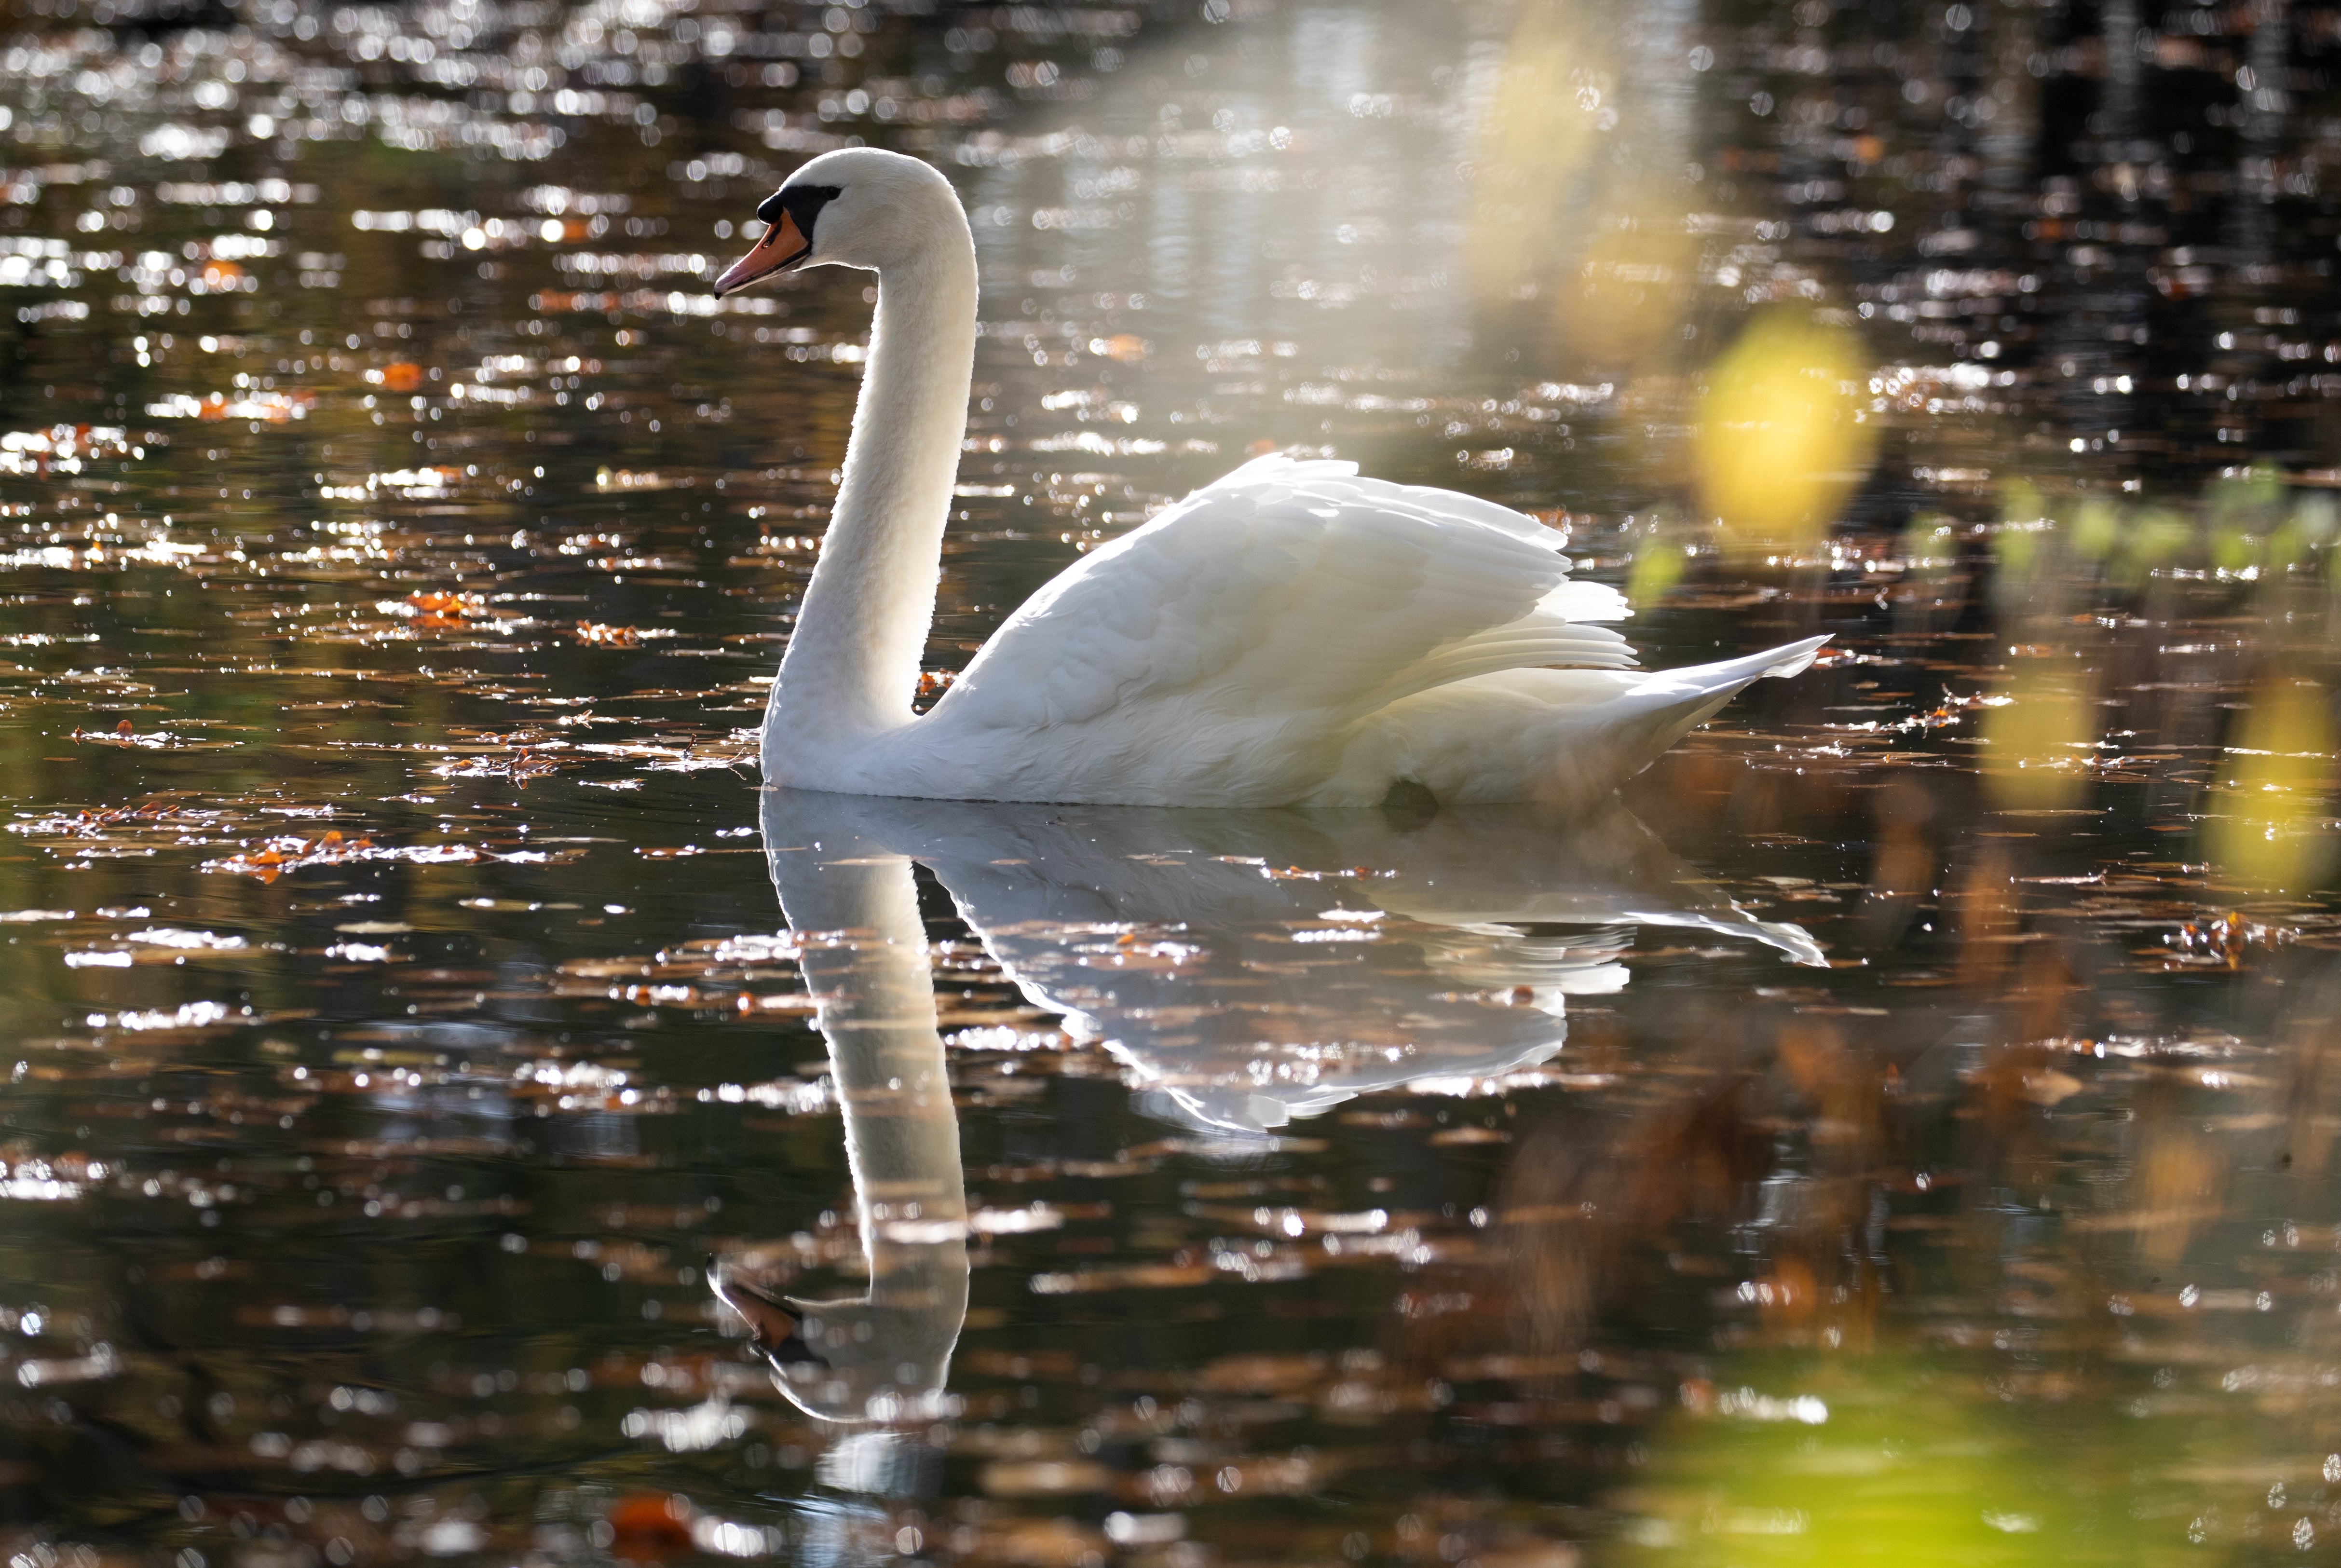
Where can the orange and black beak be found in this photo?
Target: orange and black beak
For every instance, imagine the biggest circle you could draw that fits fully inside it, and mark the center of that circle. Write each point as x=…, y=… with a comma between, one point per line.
x=782, y=247
x=772, y=1327
x=789, y=214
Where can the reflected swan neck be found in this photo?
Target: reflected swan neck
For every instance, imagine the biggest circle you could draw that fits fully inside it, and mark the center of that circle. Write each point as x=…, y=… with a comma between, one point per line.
x=874, y=988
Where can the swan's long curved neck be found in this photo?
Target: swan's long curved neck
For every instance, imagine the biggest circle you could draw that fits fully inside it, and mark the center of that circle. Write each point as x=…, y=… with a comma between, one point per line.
x=852, y=661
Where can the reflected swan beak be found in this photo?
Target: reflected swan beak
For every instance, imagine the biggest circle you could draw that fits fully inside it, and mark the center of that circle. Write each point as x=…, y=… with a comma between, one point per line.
x=782, y=247
x=773, y=1329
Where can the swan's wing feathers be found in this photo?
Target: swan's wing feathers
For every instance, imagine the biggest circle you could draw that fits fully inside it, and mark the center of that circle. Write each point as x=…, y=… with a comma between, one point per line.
x=1574, y=601
x=1486, y=514
x=1290, y=588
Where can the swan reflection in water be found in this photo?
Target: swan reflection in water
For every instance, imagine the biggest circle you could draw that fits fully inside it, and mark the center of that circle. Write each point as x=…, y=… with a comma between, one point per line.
x=1245, y=967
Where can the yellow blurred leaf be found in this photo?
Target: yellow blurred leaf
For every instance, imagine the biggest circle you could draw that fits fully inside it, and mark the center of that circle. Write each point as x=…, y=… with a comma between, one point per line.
x=2037, y=740
x=2270, y=827
x=1779, y=444
x=1536, y=141
x=1631, y=289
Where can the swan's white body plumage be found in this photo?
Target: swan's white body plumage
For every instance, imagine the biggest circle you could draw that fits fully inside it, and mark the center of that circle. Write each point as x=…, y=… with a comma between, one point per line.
x=1292, y=634
x=1296, y=635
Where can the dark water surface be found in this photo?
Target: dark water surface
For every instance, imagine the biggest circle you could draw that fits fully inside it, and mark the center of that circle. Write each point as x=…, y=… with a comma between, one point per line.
x=1899, y=1133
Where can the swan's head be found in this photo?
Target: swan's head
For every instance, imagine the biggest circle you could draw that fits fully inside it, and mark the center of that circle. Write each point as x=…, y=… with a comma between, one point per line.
x=858, y=207
x=883, y=1358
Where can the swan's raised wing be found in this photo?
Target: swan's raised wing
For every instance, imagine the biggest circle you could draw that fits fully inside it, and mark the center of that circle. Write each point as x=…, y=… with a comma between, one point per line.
x=1292, y=592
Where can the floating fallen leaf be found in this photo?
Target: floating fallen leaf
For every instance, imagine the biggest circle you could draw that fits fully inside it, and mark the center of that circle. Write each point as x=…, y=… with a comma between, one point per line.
x=267, y=407
x=277, y=856
x=2050, y=1087
x=650, y=1526
x=1045, y=1478
x=446, y=608
x=124, y=734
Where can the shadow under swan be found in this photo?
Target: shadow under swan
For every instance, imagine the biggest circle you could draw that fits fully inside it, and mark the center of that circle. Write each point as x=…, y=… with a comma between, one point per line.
x=1247, y=967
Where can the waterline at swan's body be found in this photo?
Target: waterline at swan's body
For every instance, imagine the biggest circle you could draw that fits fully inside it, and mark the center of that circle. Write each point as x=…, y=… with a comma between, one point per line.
x=1291, y=634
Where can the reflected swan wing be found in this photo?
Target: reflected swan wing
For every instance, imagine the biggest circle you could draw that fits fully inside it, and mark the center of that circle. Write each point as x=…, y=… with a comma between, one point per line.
x=1254, y=966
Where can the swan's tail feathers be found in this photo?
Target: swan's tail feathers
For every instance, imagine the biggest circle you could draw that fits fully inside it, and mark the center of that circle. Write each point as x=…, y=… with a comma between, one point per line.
x=1636, y=727
x=1566, y=737
x=1793, y=942
x=1727, y=675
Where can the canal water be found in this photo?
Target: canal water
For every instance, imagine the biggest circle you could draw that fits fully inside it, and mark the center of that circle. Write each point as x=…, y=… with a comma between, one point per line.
x=452, y=1111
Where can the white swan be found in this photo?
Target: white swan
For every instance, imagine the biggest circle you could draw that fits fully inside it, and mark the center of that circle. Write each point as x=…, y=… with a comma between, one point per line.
x=1291, y=634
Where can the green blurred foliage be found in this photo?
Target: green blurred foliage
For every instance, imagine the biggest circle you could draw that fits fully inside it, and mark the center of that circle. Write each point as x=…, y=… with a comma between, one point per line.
x=1885, y=1461
x=1659, y=565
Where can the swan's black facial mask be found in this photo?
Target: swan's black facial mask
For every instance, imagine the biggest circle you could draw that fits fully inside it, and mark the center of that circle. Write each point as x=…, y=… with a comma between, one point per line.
x=788, y=216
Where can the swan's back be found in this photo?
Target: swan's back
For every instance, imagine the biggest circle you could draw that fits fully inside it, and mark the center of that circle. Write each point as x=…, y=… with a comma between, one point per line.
x=1224, y=651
